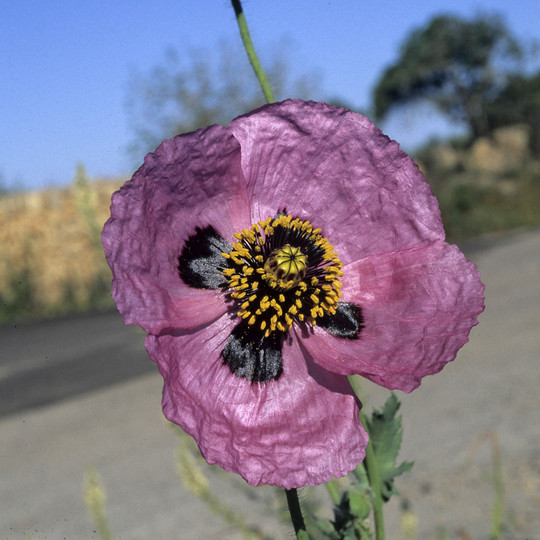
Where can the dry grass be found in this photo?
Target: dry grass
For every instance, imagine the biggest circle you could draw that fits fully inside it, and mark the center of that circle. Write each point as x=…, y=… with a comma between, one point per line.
x=51, y=260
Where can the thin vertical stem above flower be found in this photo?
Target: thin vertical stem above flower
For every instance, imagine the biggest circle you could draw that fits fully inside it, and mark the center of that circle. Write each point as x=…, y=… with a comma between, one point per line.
x=250, y=50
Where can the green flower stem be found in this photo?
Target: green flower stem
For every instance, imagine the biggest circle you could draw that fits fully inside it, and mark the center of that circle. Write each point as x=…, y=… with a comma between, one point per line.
x=252, y=55
x=332, y=491
x=375, y=483
x=296, y=514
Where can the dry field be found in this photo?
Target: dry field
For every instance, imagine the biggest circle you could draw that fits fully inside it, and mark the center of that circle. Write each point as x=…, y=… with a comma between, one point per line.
x=51, y=258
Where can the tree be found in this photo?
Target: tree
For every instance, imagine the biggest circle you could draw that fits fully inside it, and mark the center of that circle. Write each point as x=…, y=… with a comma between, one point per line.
x=195, y=90
x=518, y=103
x=456, y=64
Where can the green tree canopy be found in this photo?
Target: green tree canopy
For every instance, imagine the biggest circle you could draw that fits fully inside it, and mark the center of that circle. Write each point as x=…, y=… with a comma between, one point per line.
x=518, y=103
x=456, y=64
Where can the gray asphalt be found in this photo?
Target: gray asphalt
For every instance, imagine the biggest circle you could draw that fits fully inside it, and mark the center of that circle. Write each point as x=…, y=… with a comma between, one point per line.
x=46, y=362
x=81, y=393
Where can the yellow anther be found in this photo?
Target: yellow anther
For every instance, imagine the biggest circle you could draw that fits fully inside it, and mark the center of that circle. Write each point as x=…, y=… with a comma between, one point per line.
x=276, y=306
x=263, y=224
x=282, y=273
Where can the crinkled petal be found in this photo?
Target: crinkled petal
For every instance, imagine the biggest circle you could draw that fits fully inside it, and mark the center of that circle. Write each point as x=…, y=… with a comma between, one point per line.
x=302, y=429
x=418, y=307
x=336, y=169
x=191, y=180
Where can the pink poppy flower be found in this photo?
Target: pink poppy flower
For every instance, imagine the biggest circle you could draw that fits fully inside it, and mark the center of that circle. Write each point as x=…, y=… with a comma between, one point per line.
x=270, y=259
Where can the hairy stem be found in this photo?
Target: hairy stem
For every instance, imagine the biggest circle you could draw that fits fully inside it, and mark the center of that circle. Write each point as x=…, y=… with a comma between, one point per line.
x=296, y=514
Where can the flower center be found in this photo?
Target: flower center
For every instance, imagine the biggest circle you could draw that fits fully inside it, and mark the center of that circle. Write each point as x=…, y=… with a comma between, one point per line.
x=287, y=263
x=282, y=270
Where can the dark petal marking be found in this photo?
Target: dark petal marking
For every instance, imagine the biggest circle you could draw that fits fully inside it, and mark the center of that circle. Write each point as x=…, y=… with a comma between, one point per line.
x=200, y=264
x=251, y=355
x=346, y=323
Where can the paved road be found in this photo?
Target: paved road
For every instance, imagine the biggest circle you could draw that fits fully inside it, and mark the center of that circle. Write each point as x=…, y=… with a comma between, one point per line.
x=81, y=392
x=42, y=363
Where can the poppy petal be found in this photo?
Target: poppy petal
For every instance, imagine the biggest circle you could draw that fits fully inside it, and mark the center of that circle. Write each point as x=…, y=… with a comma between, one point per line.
x=191, y=180
x=338, y=170
x=418, y=307
x=302, y=429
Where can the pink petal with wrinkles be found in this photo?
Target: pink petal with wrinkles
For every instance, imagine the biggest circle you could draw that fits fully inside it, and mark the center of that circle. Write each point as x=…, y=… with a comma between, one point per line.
x=301, y=430
x=336, y=169
x=193, y=179
x=418, y=307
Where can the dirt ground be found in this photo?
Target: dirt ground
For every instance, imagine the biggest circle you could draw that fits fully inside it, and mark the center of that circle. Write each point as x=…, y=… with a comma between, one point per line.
x=483, y=406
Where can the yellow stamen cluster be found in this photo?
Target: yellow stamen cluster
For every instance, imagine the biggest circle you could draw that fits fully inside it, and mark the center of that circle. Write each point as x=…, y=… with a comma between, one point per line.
x=281, y=270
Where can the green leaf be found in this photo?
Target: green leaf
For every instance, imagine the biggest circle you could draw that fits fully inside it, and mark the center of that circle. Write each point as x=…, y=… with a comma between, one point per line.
x=359, y=504
x=385, y=433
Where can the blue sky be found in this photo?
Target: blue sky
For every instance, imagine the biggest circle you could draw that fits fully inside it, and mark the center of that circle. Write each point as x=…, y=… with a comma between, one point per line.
x=65, y=65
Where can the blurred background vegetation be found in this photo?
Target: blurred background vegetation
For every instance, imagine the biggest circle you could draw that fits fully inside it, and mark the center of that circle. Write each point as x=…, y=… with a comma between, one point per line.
x=472, y=70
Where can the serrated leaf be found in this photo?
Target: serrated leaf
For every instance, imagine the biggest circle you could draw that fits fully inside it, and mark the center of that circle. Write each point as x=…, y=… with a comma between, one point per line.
x=385, y=433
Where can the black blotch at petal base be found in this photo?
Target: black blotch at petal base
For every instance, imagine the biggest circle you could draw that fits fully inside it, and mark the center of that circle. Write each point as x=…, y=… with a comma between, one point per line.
x=346, y=323
x=200, y=263
x=251, y=355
